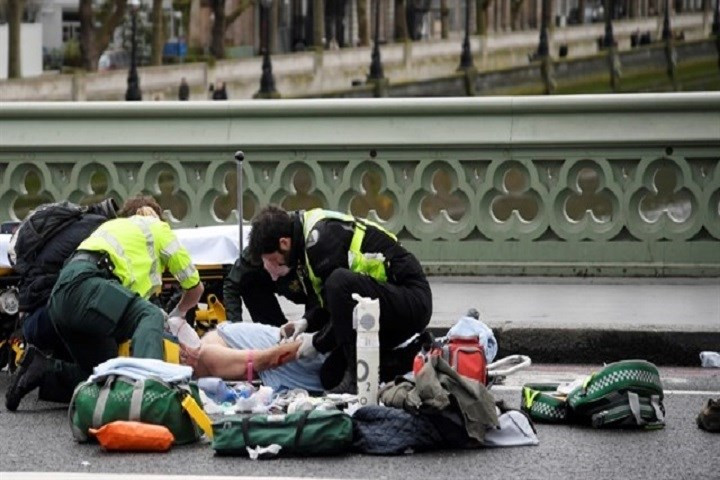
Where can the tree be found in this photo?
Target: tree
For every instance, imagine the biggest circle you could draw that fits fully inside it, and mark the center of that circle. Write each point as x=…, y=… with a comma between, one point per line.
x=318, y=24
x=481, y=18
x=515, y=10
x=363, y=10
x=158, y=33
x=222, y=21
x=217, y=36
x=14, y=13
x=401, y=26
x=444, y=19
x=94, y=40
x=581, y=11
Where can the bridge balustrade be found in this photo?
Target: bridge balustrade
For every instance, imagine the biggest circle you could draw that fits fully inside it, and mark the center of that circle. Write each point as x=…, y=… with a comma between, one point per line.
x=578, y=185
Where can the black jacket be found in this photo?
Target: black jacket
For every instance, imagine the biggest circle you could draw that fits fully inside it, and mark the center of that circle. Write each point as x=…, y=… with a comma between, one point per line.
x=40, y=272
x=329, y=251
x=246, y=279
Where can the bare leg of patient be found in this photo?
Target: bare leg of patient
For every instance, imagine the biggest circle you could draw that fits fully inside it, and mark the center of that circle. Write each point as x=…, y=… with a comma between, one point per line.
x=214, y=358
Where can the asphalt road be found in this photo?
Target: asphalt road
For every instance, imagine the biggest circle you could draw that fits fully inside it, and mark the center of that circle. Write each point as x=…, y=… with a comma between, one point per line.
x=37, y=438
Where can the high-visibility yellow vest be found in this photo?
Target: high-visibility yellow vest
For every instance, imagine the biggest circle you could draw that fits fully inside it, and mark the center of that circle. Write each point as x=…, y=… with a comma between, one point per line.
x=368, y=264
x=141, y=248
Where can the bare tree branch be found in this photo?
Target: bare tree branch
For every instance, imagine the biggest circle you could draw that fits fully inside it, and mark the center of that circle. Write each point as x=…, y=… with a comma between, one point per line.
x=239, y=10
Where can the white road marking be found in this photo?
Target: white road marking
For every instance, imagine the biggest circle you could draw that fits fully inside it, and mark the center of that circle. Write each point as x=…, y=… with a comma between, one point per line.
x=508, y=388
x=127, y=476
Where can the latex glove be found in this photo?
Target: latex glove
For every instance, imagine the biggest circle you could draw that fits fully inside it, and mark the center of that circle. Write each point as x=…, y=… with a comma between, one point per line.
x=307, y=349
x=292, y=329
x=176, y=313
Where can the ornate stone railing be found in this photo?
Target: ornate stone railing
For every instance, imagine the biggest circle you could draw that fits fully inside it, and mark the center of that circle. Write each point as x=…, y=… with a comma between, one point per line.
x=586, y=185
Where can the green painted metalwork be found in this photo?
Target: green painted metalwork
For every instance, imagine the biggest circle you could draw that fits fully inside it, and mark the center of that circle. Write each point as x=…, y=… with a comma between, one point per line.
x=586, y=185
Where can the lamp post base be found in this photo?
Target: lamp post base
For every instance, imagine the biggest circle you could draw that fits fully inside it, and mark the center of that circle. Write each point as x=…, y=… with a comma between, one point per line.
x=260, y=95
x=380, y=86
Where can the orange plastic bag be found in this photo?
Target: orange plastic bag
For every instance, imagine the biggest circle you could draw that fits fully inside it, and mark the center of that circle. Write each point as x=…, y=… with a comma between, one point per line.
x=128, y=436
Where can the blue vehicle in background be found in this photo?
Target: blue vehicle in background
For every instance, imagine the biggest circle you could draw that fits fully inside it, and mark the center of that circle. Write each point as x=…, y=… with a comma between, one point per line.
x=175, y=50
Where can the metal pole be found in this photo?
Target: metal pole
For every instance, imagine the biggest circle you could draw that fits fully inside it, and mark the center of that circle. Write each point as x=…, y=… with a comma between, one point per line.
x=546, y=65
x=133, y=89
x=239, y=157
x=376, y=69
x=543, y=47
x=609, y=41
x=466, y=60
x=716, y=28
x=267, y=80
x=670, y=53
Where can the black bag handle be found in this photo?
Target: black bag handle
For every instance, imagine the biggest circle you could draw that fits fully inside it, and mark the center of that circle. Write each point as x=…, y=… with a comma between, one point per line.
x=245, y=431
x=300, y=427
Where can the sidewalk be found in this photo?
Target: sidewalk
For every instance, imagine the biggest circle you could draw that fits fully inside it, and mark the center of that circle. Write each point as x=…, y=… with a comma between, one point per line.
x=595, y=320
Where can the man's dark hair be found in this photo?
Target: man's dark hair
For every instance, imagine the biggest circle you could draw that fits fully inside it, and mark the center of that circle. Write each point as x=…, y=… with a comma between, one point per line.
x=131, y=206
x=270, y=225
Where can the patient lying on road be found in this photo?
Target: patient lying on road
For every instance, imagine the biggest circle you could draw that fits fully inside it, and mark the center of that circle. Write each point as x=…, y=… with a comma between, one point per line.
x=227, y=351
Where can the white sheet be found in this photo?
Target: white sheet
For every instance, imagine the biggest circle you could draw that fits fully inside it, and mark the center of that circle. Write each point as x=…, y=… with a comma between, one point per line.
x=207, y=245
x=4, y=240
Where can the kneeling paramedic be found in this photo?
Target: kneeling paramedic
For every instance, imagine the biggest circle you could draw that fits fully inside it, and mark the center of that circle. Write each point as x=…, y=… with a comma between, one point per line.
x=100, y=299
x=340, y=255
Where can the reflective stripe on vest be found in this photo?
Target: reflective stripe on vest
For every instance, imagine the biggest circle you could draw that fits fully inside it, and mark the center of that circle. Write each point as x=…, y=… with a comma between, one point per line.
x=311, y=217
x=155, y=278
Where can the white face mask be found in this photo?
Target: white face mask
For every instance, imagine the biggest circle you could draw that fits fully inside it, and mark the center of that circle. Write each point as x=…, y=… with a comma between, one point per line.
x=276, y=271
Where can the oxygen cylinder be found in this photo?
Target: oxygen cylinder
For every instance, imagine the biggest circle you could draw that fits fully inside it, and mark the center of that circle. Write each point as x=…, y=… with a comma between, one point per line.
x=366, y=319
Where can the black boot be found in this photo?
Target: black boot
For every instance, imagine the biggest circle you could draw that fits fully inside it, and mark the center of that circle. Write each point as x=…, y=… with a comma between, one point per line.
x=348, y=383
x=29, y=376
x=709, y=417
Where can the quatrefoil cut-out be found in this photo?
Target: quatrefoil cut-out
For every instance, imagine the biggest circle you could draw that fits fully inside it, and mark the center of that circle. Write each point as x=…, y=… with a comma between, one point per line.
x=301, y=189
x=225, y=202
x=94, y=185
x=516, y=197
x=33, y=194
x=592, y=201
x=663, y=204
x=443, y=197
x=374, y=197
x=165, y=187
x=666, y=199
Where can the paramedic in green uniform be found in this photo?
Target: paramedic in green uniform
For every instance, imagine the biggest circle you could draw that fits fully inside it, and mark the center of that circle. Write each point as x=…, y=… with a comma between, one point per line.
x=100, y=298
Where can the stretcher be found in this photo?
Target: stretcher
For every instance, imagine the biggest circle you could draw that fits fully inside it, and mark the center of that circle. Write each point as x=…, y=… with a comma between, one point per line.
x=213, y=250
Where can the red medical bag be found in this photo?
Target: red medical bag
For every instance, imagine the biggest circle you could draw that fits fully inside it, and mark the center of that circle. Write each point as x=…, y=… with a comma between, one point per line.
x=464, y=354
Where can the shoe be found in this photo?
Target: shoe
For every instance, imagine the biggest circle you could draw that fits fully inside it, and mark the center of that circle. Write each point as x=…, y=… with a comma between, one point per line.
x=709, y=417
x=348, y=384
x=28, y=377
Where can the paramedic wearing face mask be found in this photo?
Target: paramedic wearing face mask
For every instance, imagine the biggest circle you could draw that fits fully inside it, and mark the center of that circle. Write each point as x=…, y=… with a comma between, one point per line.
x=250, y=285
x=337, y=255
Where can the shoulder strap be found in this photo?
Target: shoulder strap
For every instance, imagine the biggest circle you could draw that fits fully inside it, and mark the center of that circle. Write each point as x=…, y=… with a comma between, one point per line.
x=197, y=414
x=136, y=401
x=102, y=402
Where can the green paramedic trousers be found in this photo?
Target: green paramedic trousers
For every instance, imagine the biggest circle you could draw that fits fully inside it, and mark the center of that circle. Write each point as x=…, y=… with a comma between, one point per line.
x=93, y=313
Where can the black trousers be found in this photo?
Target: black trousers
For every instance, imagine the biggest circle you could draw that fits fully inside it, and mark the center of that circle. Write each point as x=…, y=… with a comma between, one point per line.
x=404, y=309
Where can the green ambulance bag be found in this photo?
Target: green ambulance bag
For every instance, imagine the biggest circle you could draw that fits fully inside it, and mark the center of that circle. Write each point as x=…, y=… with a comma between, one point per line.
x=314, y=432
x=543, y=403
x=628, y=393
x=149, y=400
